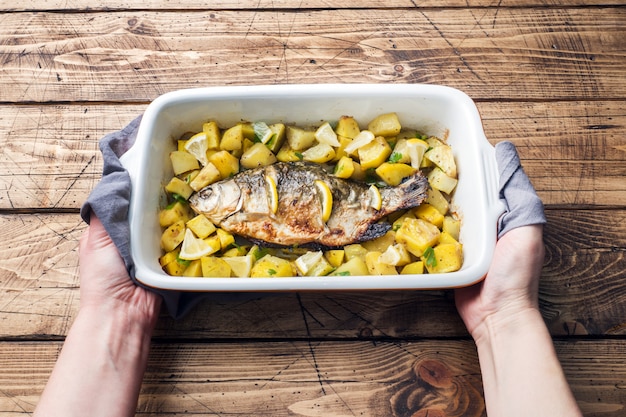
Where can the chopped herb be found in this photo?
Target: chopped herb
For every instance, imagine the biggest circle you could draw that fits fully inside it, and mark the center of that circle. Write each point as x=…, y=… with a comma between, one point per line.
x=429, y=256
x=395, y=157
x=343, y=273
x=299, y=155
x=260, y=253
x=397, y=226
x=372, y=178
x=272, y=140
x=271, y=271
x=177, y=198
x=183, y=262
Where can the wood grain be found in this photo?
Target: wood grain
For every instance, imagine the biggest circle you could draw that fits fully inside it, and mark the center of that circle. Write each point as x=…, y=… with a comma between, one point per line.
x=581, y=290
x=82, y=5
x=572, y=151
x=313, y=378
x=504, y=54
x=49, y=157
x=548, y=76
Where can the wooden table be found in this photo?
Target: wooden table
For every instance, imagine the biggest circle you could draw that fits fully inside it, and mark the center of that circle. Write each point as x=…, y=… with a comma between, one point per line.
x=549, y=77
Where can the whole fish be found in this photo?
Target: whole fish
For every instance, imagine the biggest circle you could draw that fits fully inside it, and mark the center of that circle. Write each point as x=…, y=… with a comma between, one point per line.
x=241, y=205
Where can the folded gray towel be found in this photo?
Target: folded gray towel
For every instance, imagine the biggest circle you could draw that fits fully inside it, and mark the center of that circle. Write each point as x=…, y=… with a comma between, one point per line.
x=110, y=200
x=523, y=206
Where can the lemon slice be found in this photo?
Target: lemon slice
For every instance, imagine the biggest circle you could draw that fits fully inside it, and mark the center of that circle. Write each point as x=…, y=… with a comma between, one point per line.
x=305, y=262
x=193, y=247
x=240, y=265
x=376, y=201
x=417, y=148
x=326, y=198
x=326, y=134
x=197, y=145
x=272, y=193
x=363, y=138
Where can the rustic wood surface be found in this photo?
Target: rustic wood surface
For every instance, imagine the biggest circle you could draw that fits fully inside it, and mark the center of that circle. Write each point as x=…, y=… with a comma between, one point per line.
x=548, y=75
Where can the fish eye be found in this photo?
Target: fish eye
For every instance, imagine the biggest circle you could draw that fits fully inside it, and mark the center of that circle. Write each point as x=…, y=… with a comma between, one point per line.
x=210, y=200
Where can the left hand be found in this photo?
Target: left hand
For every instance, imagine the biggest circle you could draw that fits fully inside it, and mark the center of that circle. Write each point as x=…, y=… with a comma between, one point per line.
x=105, y=281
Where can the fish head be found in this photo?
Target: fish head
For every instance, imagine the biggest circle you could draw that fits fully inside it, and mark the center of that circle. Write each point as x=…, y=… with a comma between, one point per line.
x=217, y=201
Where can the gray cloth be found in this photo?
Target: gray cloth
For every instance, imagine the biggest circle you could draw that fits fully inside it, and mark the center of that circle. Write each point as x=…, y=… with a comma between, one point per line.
x=110, y=200
x=523, y=206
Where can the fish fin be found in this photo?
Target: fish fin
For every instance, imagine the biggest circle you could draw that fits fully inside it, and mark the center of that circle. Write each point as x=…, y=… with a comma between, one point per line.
x=374, y=230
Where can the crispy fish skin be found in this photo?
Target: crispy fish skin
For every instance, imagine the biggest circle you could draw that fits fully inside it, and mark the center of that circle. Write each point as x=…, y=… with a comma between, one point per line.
x=240, y=205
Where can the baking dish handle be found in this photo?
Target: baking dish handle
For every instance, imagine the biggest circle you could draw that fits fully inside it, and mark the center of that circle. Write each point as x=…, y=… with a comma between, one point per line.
x=492, y=183
x=129, y=160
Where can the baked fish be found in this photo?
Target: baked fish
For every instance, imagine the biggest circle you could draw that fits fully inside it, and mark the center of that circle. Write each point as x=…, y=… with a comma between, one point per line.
x=281, y=204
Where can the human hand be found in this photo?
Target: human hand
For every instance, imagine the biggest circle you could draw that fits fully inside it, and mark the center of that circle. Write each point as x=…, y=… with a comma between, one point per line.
x=511, y=285
x=105, y=282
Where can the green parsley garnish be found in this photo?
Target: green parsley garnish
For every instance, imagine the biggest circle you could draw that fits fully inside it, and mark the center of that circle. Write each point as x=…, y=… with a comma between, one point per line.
x=299, y=155
x=177, y=198
x=343, y=273
x=429, y=257
x=395, y=157
x=183, y=262
x=271, y=271
x=260, y=253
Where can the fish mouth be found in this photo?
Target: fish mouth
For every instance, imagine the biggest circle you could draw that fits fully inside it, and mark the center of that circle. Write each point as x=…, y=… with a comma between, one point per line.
x=218, y=201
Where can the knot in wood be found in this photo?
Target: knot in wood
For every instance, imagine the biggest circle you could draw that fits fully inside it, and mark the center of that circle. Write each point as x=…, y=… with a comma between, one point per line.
x=433, y=372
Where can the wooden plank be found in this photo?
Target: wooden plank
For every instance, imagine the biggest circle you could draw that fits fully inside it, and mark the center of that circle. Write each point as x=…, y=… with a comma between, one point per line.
x=312, y=378
x=519, y=53
x=49, y=154
x=573, y=151
x=581, y=290
x=82, y=5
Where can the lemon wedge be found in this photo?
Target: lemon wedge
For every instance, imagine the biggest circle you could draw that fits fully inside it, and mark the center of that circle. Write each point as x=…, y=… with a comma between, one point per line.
x=305, y=262
x=194, y=248
x=197, y=145
x=395, y=255
x=262, y=131
x=240, y=265
x=376, y=201
x=272, y=193
x=326, y=134
x=417, y=148
x=326, y=198
x=320, y=153
x=363, y=138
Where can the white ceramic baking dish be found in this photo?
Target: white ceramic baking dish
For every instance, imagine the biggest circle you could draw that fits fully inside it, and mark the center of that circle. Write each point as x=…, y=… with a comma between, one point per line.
x=435, y=110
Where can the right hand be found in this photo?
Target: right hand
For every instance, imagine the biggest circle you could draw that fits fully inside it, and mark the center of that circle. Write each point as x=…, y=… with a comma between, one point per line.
x=512, y=283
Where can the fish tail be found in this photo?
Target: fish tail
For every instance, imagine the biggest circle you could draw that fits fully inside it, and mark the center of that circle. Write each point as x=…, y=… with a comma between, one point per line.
x=410, y=193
